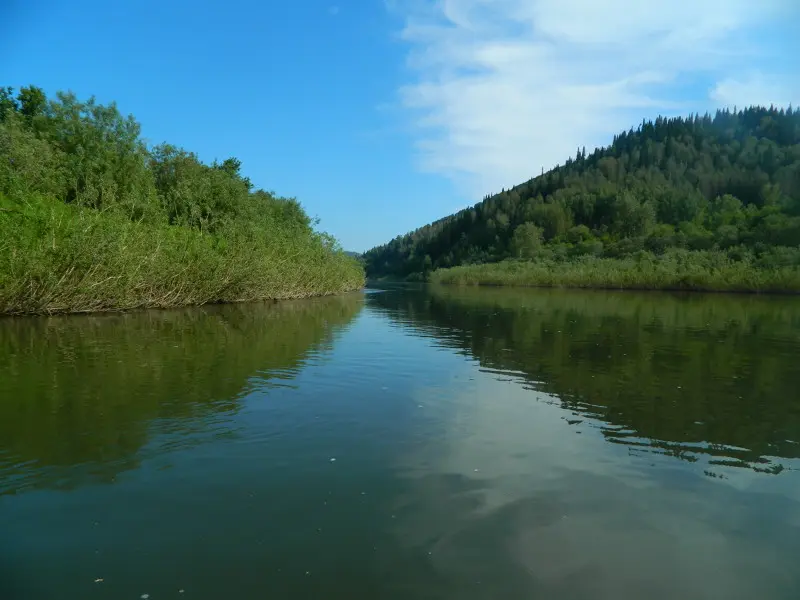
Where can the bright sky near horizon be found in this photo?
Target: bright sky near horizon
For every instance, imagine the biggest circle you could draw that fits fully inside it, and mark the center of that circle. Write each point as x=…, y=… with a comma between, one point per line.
x=383, y=115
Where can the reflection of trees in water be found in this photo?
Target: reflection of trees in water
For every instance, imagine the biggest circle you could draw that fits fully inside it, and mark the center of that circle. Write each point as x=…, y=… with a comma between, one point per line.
x=679, y=375
x=85, y=390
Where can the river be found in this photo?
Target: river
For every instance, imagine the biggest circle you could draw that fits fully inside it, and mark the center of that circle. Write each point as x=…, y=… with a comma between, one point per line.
x=405, y=442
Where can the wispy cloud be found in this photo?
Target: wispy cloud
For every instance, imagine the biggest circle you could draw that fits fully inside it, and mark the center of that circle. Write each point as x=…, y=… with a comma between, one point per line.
x=499, y=89
x=756, y=88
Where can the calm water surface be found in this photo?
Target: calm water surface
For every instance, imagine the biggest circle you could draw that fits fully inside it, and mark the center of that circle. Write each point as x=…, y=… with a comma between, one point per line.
x=405, y=443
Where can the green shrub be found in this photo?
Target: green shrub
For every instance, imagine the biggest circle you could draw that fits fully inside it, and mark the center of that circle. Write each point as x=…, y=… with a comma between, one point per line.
x=91, y=219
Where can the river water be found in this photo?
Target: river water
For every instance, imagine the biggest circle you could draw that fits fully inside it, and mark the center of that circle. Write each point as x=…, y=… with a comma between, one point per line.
x=405, y=443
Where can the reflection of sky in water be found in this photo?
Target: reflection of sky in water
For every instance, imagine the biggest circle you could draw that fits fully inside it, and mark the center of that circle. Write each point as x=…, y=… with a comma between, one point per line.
x=509, y=486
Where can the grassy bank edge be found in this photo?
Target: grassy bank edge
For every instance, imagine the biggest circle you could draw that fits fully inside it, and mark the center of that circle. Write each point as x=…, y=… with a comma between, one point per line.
x=57, y=258
x=698, y=272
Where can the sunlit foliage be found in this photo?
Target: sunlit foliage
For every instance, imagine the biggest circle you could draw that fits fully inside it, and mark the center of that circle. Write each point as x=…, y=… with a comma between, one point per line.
x=91, y=218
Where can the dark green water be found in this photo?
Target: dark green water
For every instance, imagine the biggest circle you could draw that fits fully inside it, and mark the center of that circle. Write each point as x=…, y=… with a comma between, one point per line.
x=487, y=444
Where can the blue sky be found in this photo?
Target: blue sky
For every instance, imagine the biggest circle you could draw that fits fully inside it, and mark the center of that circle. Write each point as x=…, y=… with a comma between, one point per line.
x=381, y=116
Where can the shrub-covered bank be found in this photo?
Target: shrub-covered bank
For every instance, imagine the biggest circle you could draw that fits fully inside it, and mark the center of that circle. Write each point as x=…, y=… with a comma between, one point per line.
x=93, y=219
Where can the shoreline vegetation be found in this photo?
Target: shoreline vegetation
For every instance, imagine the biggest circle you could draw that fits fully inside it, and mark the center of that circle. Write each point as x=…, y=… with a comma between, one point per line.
x=92, y=219
x=702, y=203
x=699, y=271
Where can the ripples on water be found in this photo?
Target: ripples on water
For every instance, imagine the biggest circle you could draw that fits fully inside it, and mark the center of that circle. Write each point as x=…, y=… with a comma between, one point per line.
x=407, y=442
x=678, y=374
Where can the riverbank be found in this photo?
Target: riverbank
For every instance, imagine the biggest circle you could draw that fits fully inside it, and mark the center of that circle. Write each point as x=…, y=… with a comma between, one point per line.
x=708, y=271
x=59, y=258
x=92, y=219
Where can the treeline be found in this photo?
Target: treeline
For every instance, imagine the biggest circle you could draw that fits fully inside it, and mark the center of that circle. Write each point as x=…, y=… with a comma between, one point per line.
x=92, y=218
x=727, y=184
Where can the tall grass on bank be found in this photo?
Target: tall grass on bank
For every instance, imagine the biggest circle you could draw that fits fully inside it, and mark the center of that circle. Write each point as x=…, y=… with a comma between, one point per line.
x=57, y=258
x=92, y=218
x=674, y=270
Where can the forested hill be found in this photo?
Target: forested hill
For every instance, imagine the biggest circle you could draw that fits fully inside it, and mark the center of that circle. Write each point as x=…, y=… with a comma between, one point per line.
x=730, y=182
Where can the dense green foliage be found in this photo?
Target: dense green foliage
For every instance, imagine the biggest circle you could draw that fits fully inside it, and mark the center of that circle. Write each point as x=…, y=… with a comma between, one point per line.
x=685, y=375
x=111, y=378
x=91, y=218
x=729, y=184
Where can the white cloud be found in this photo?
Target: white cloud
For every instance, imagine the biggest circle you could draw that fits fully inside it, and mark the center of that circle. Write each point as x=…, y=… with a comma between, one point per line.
x=503, y=88
x=755, y=89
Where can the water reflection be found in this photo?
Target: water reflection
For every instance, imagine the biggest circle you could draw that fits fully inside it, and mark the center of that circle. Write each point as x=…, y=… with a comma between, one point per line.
x=82, y=396
x=471, y=434
x=516, y=491
x=693, y=376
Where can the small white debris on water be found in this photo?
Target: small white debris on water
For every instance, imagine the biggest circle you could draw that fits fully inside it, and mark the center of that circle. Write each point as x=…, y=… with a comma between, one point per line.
x=99, y=580
x=333, y=460
x=476, y=470
x=180, y=591
x=144, y=596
